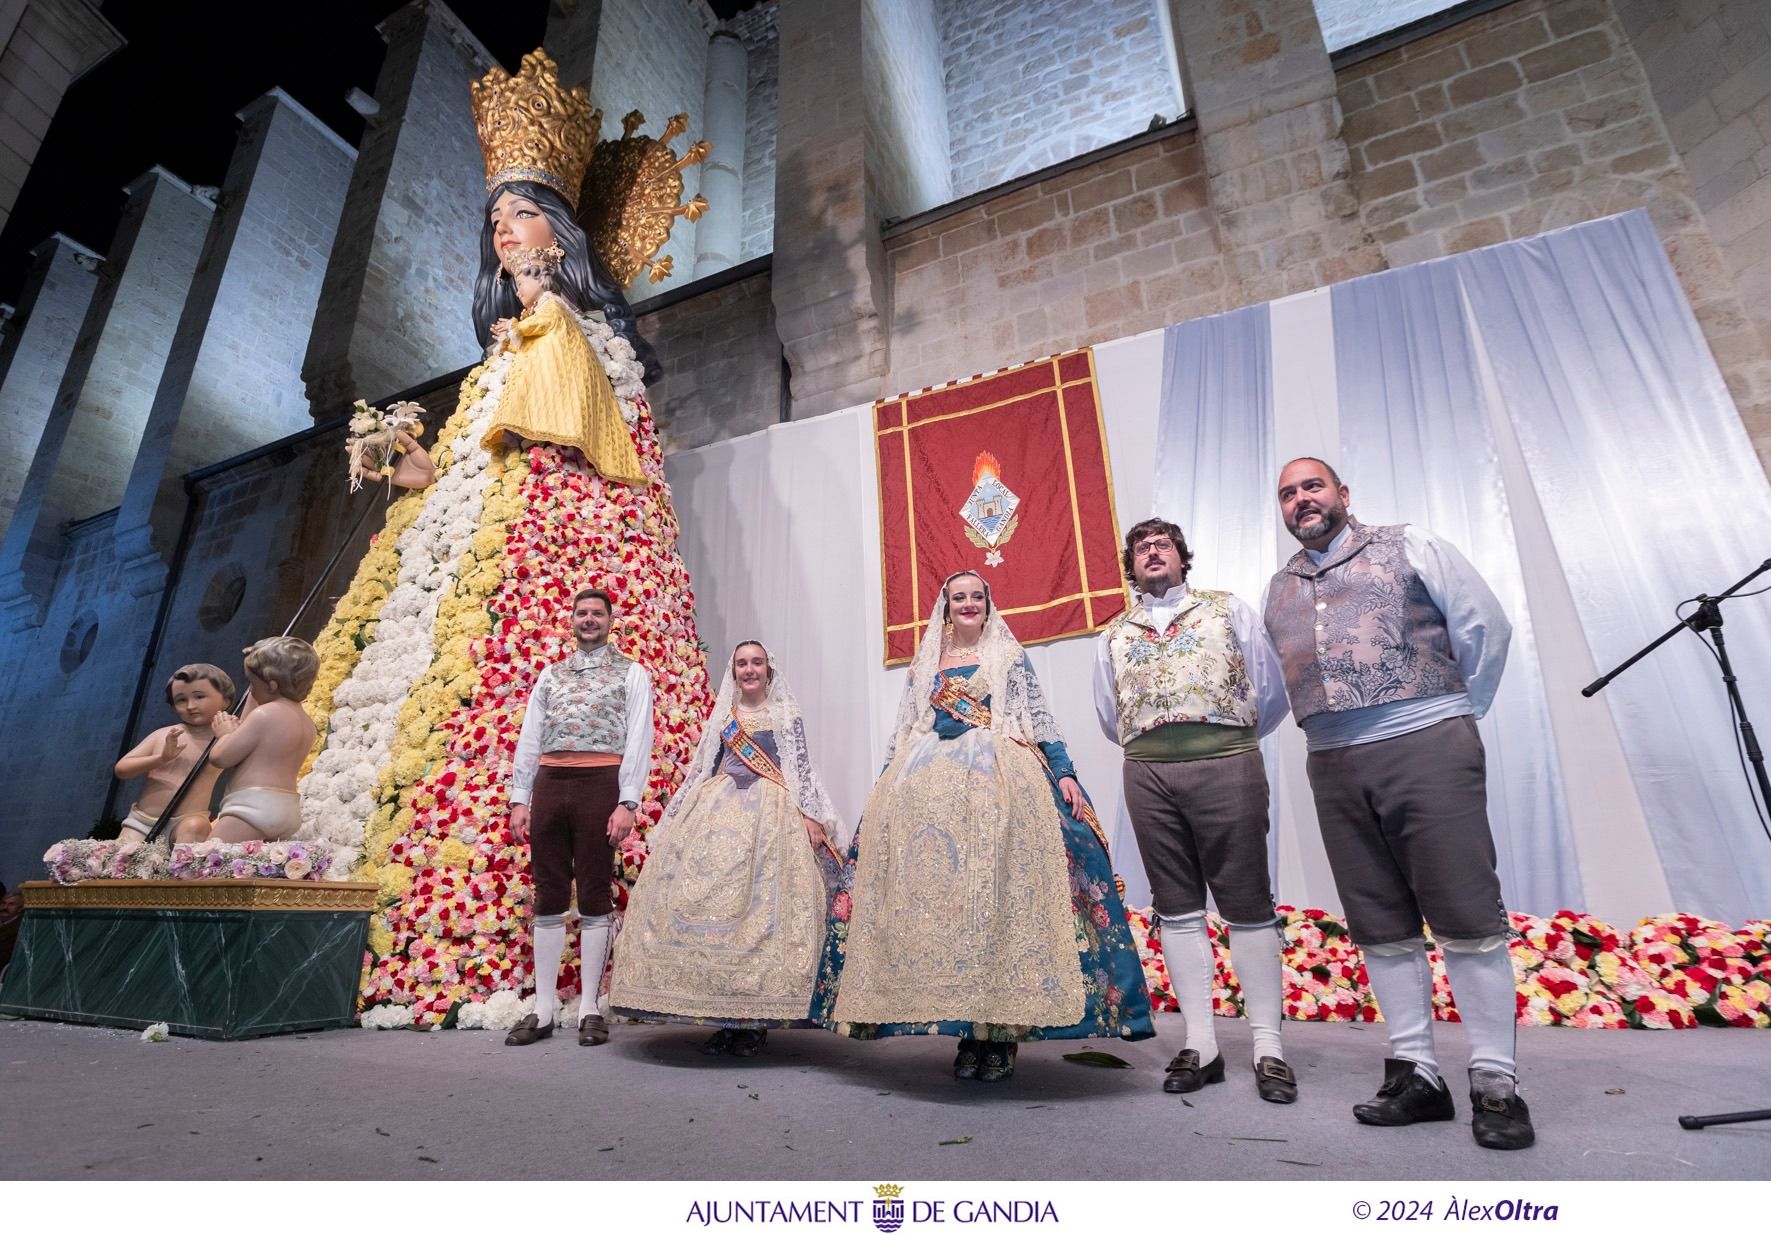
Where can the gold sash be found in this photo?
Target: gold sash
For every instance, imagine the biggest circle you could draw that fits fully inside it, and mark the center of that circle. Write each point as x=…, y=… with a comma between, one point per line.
x=737, y=739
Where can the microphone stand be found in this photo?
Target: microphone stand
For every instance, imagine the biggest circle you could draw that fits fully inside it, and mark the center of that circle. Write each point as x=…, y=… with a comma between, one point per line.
x=1708, y=617
x=162, y=824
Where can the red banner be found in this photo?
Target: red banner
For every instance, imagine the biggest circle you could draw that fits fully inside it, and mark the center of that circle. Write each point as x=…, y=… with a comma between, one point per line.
x=1006, y=475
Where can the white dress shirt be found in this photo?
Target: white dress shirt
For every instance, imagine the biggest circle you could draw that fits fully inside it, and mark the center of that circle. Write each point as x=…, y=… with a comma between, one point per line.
x=636, y=756
x=1265, y=673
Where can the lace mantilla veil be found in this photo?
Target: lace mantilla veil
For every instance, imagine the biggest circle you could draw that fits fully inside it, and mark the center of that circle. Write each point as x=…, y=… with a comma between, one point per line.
x=803, y=783
x=1018, y=708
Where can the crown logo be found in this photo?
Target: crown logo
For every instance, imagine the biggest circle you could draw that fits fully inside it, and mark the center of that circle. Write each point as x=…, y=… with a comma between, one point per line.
x=532, y=128
x=888, y=1191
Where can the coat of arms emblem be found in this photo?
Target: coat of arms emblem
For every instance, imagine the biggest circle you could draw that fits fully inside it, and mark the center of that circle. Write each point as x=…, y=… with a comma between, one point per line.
x=991, y=509
x=888, y=1207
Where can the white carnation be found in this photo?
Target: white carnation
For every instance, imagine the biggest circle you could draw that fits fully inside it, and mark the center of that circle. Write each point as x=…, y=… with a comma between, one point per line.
x=387, y=1016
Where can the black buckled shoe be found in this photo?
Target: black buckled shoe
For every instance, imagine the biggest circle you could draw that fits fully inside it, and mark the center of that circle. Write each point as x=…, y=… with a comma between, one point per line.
x=1275, y=1080
x=965, y=1062
x=528, y=1031
x=1186, y=1076
x=1406, y=1097
x=593, y=1030
x=997, y=1061
x=1501, y=1123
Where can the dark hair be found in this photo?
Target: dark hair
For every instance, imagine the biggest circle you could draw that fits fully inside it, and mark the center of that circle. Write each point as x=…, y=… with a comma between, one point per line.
x=961, y=574
x=767, y=659
x=580, y=278
x=1324, y=464
x=593, y=593
x=211, y=674
x=1155, y=527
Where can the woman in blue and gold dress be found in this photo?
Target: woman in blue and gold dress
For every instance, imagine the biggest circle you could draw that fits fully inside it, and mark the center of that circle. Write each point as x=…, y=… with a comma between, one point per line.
x=726, y=924
x=983, y=903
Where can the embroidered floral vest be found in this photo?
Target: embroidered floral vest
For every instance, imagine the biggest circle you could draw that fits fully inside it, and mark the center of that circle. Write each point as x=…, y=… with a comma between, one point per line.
x=587, y=704
x=1359, y=629
x=1192, y=673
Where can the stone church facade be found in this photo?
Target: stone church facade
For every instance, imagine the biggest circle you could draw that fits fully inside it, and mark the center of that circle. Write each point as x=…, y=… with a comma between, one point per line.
x=902, y=192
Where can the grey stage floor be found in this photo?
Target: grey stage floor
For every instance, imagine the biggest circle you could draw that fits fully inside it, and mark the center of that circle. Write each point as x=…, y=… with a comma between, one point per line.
x=101, y=1104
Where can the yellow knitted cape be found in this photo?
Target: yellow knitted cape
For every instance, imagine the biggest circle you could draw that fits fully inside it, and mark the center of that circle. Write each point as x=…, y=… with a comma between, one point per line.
x=556, y=391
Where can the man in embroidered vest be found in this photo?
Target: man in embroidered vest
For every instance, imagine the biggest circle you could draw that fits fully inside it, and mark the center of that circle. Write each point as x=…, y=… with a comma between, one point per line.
x=1393, y=645
x=1188, y=683
x=581, y=764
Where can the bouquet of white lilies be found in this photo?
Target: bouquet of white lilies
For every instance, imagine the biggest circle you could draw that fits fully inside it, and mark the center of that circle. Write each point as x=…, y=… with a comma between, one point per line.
x=375, y=437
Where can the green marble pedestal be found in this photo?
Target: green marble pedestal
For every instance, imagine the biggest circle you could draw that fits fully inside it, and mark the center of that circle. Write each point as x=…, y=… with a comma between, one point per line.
x=212, y=958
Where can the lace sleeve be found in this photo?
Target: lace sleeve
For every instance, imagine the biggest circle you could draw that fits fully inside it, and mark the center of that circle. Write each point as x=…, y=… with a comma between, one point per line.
x=909, y=712
x=796, y=763
x=1026, y=703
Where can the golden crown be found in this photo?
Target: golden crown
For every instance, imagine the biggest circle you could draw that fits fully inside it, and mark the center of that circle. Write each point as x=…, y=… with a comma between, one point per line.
x=888, y=1190
x=532, y=128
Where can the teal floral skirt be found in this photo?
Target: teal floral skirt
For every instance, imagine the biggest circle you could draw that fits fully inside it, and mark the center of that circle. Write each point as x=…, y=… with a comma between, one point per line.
x=1118, y=1003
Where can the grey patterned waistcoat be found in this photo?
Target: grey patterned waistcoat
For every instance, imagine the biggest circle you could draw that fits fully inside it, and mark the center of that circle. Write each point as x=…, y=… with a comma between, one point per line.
x=1359, y=629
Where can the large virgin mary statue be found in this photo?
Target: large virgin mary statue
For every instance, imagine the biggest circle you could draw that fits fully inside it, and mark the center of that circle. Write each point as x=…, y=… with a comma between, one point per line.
x=549, y=479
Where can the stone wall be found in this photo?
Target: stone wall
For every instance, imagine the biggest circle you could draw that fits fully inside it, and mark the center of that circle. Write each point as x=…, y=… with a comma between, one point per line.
x=828, y=275
x=1535, y=116
x=1031, y=83
x=232, y=378
x=1709, y=64
x=1122, y=245
x=71, y=677
x=57, y=293
x=722, y=364
x=1345, y=22
x=395, y=307
x=288, y=187
x=151, y=260
x=651, y=55
x=757, y=28
x=45, y=46
x=905, y=104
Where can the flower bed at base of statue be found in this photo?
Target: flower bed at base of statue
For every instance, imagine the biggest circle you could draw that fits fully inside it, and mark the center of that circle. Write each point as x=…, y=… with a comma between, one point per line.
x=421, y=769
x=1674, y=971
x=76, y=861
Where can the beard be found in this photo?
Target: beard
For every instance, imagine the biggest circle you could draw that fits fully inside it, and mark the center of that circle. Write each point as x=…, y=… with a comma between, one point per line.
x=1317, y=522
x=1157, y=580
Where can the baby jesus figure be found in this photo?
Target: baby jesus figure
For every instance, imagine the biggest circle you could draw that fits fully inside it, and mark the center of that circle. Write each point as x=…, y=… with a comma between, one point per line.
x=555, y=389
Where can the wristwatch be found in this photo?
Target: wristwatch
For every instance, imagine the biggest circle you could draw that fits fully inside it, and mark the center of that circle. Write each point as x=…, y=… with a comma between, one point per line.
x=631, y=805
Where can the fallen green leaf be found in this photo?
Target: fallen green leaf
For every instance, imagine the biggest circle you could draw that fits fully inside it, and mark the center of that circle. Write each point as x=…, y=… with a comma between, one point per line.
x=963, y=1140
x=1097, y=1059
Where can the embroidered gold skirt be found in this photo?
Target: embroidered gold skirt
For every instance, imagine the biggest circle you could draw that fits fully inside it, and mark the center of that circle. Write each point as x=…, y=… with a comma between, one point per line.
x=726, y=921
x=961, y=908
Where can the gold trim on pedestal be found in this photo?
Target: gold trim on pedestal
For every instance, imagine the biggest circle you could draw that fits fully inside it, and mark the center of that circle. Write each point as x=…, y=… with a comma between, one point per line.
x=282, y=895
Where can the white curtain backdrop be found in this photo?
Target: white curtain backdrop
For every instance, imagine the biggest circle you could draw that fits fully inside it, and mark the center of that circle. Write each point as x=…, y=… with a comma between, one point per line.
x=1550, y=406
x=1418, y=447
x=1652, y=493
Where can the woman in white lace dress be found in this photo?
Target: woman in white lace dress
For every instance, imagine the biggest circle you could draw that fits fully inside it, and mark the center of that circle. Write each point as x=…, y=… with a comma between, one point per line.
x=726, y=924
x=984, y=905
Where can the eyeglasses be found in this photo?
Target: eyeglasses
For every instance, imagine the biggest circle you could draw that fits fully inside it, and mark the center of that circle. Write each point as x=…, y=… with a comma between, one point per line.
x=1156, y=544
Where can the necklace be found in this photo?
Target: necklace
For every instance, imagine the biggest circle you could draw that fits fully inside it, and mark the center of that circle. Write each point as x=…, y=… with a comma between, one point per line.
x=952, y=651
